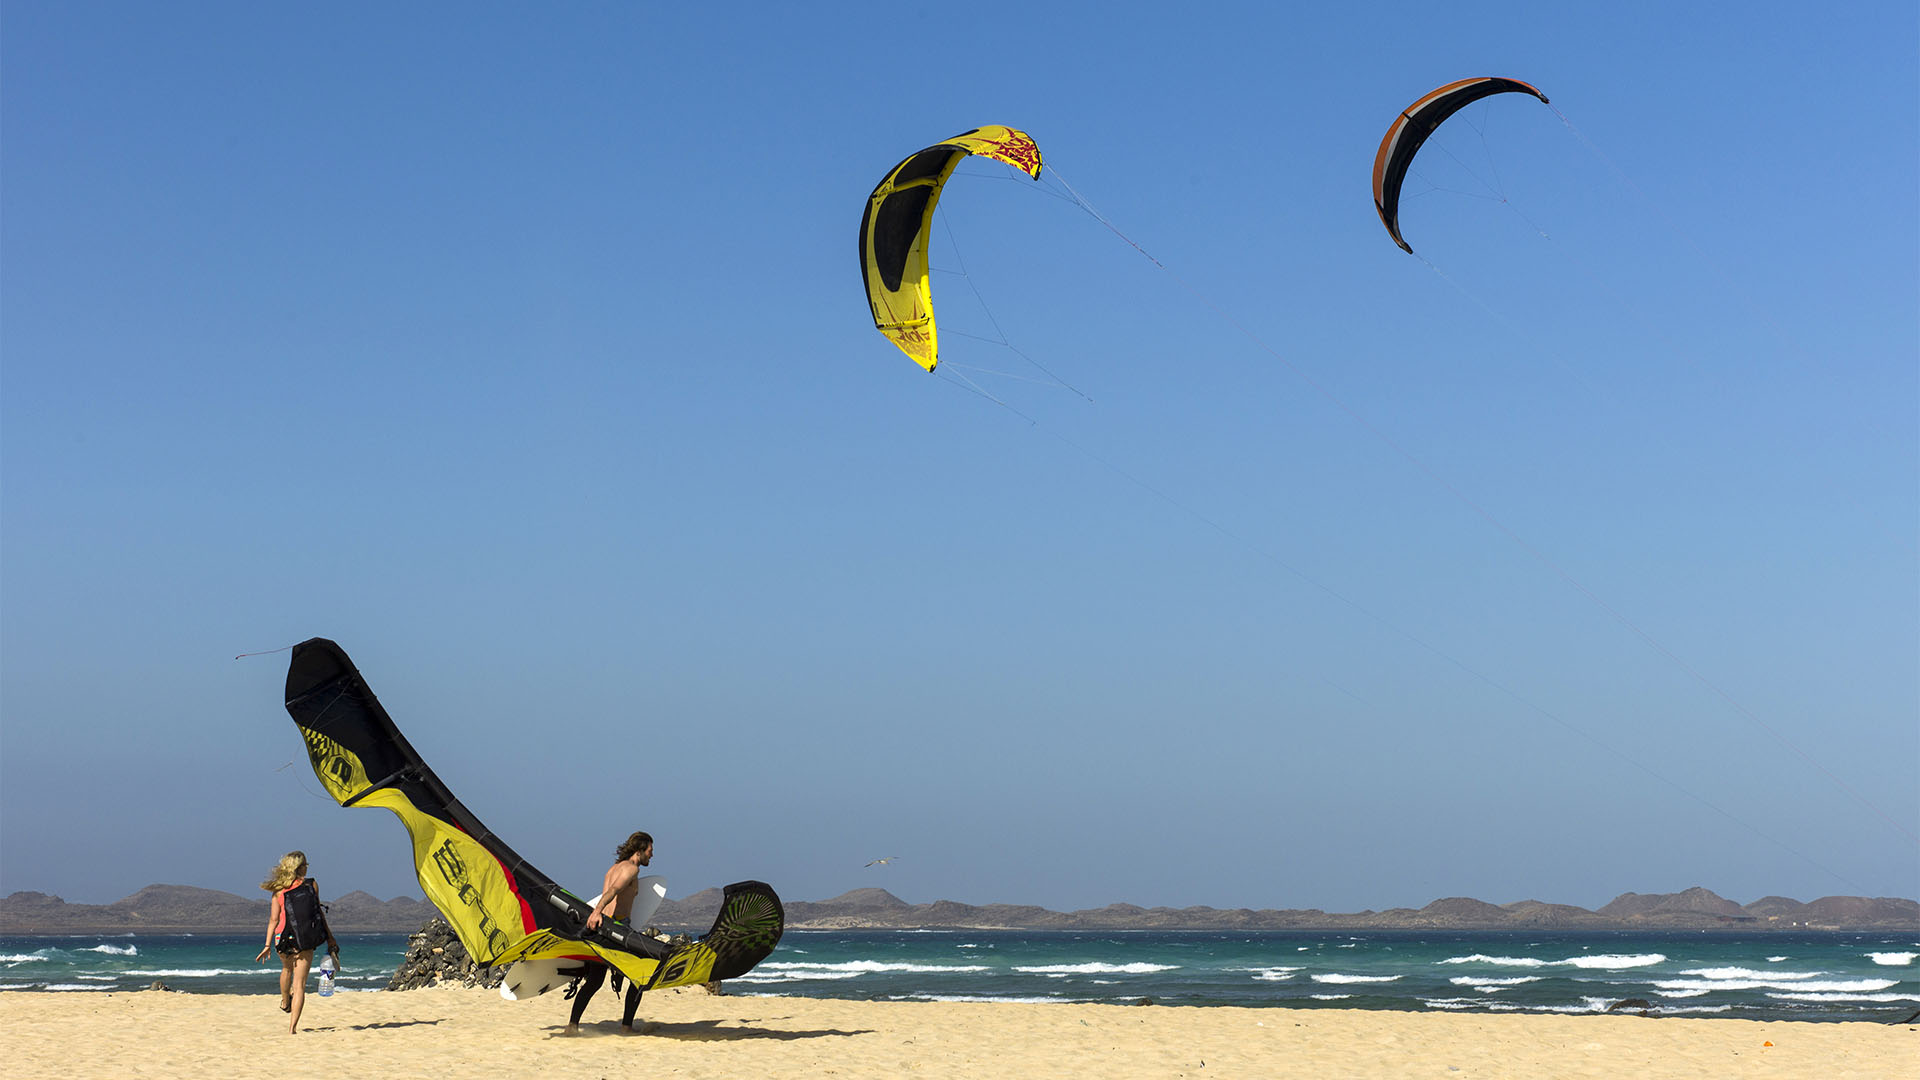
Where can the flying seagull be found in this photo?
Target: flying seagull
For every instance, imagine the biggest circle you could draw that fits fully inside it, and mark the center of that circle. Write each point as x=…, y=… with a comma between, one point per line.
x=878, y=862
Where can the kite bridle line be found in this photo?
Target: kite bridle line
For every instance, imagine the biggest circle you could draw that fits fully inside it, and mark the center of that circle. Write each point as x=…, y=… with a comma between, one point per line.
x=954, y=243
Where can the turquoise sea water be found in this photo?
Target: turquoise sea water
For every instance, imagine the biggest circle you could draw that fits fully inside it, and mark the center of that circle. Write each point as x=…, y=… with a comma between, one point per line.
x=1752, y=976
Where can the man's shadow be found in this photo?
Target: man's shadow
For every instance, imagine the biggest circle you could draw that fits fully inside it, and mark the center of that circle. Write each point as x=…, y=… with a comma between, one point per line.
x=703, y=1031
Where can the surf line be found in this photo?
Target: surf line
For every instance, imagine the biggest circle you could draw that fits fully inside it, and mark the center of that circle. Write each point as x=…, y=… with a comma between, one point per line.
x=1498, y=525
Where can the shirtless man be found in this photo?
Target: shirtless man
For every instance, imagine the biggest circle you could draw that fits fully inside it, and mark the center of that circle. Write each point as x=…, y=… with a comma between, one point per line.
x=617, y=891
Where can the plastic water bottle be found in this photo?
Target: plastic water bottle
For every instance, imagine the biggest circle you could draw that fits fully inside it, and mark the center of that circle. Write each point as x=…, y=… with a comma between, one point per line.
x=326, y=977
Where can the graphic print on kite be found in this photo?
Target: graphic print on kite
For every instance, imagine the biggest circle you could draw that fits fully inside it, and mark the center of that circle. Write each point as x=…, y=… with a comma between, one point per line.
x=894, y=228
x=502, y=907
x=1410, y=130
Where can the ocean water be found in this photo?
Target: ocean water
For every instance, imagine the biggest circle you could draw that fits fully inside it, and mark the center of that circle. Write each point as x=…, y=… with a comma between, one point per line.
x=1773, y=976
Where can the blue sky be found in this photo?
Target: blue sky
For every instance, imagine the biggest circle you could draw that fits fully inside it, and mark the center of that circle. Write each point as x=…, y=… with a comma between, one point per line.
x=524, y=353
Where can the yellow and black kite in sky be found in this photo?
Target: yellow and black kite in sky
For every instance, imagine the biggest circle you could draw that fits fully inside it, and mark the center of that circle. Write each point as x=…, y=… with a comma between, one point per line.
x=893, y=233
x=1411, y=128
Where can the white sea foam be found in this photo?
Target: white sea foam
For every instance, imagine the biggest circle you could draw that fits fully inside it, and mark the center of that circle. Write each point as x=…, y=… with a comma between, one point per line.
x=1684, y=993
x=1604, y=962
x=798, y=971
x=1502, y=961
x=761, y=975
x=1749, y=973
x=1096, y=968
x=24, y=958
x=1477, y=981
x=1893, y=959
x=77, y=986
x=1835, y=986
x=1878, y=998
x=1338, y=978
x=113, y=950
x=1775, y=959
x=1587, y=1005
x=200, y=973
x=1273, y=974
x=1616, y=963
x=1331, y=997
x=861, y=967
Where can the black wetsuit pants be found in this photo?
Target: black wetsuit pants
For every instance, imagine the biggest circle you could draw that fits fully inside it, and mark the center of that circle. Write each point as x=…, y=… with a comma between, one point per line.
x=590, y=985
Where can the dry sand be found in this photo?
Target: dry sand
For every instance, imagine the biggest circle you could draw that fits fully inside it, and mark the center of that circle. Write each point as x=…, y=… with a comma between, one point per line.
x=446, y=1034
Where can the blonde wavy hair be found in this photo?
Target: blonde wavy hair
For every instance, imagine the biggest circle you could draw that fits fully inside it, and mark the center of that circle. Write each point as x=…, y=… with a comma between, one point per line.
x=292, y=867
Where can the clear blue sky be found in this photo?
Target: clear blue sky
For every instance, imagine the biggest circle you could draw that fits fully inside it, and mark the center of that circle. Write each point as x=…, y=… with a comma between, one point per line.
x=524, y=353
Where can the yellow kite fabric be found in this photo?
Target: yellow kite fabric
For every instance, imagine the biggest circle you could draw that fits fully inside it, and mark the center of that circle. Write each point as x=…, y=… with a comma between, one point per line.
x=893, y=232
x=501, y=906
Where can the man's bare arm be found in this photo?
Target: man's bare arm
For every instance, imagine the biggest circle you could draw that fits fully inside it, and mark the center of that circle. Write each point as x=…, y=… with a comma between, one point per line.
x=621, y=875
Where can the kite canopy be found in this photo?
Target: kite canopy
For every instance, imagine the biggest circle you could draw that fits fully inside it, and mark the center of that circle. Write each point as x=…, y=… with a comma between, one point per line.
x=502, y=908
x=1411, y=128
x=893, y=232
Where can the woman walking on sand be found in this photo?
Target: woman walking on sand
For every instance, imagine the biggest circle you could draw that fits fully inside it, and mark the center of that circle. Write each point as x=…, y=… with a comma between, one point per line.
x=296, y=925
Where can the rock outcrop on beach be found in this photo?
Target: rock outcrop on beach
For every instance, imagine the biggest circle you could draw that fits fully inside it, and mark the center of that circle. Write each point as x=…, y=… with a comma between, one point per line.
x=435, y=957
x=183, y=909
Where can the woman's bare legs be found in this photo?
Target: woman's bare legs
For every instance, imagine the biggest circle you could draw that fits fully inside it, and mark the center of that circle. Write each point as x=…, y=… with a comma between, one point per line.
x=296, y=971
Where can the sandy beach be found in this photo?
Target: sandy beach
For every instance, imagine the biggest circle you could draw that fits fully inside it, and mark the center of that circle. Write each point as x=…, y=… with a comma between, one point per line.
x=460, y=1033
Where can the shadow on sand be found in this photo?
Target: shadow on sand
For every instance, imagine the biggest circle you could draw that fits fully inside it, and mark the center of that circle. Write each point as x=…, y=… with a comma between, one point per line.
x=373, y=1027
x=703, y=1031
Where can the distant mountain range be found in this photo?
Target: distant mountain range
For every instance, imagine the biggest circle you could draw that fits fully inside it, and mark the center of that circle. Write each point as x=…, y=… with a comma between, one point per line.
x=164, y=909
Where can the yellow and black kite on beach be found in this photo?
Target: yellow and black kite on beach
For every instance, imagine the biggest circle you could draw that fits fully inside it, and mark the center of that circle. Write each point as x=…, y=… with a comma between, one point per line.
x=503, y=909
x=893, y=232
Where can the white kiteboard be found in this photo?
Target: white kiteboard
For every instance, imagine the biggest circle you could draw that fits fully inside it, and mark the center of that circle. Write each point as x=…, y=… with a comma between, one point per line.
x=531, y=978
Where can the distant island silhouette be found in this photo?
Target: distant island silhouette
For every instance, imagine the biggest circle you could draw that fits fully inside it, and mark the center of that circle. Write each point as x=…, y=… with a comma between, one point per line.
x=166, y=909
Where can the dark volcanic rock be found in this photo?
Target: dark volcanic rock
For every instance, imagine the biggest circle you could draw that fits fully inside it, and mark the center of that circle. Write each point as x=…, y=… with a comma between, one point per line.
x=435, y=957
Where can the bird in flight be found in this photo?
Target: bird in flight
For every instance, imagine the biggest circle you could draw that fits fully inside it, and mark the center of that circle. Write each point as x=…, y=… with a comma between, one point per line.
x=879, y=862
